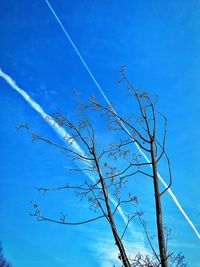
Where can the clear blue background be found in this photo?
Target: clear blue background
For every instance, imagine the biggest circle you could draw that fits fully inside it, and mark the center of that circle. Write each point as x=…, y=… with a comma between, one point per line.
x=159, y=42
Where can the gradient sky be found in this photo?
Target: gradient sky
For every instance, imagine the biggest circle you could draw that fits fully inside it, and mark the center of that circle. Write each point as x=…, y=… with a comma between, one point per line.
x=159, y=42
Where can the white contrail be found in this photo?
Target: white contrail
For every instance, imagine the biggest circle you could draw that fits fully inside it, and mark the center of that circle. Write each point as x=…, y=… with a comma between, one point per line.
x=103, y=94
x=57, y=128
x=77, y=51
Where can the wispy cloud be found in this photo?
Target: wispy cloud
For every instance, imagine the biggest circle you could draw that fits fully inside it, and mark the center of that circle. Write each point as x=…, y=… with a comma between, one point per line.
x=107, y=253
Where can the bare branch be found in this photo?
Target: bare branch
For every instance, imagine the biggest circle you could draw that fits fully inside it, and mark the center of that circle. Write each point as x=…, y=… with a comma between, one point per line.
x=127, y=224
x=131, y=199
x=36, y=136
x=62, y=221
x=45, y=189
x=148, y=238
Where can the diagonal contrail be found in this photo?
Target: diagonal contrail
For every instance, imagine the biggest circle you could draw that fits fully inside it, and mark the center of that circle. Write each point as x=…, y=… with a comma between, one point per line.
x=103, y=94
x=56, y=127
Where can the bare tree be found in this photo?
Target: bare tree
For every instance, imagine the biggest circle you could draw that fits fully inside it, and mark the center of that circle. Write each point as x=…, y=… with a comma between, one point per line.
x=107, y=169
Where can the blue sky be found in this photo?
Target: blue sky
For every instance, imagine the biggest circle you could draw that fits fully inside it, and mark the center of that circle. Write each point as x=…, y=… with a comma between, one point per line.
x=159, y=43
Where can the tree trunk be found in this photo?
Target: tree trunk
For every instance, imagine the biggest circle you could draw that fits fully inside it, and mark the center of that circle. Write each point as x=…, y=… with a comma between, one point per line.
x=161, y=239
x=118, y=241
x=119, y=244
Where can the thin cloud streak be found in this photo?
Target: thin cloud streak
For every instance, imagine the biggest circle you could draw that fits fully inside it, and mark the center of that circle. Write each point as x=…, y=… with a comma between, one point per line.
x=105, y=97
x=57, y=128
